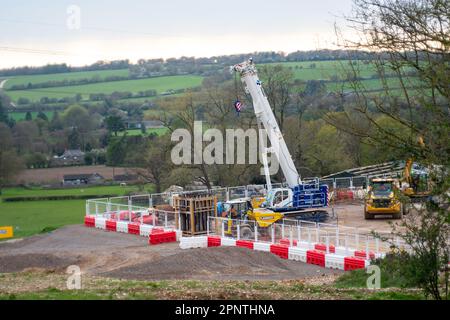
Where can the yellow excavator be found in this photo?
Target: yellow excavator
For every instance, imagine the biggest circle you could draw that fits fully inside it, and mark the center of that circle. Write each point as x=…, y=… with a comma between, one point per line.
x=416, y=183
x=248, y=209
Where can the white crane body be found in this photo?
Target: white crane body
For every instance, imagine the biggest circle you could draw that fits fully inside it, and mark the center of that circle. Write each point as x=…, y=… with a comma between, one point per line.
x=298, y=195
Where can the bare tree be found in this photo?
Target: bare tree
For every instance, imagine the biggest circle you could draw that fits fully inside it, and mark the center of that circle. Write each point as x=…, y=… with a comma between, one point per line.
x=278, y=84
x=10, y=164
x=409, y=115
x=410, y=42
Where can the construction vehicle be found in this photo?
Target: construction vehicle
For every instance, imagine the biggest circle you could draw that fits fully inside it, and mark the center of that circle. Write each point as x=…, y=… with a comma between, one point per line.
x=242, y=210
x=298, y=200
x=415, y=182
x=383, y=199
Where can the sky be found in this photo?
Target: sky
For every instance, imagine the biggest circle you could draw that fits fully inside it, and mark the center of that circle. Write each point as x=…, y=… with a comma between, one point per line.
x=80, y=32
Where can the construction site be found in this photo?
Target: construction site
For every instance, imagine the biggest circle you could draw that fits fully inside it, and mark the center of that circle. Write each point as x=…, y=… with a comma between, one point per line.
x=313, y=229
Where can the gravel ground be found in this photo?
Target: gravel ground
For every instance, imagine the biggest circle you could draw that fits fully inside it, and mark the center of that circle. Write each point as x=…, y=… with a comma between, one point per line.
x=16, y=263
x=223, y=263
x=116, y=255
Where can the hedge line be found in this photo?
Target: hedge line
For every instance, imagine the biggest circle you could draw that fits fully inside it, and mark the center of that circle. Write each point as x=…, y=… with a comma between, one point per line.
x=62, y=197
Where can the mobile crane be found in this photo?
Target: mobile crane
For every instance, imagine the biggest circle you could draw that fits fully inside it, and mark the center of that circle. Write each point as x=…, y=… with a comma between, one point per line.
x=299, y=200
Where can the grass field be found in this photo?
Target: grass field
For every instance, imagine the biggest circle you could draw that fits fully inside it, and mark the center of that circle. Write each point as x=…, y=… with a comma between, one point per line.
x=100, y=190
x=32, y=217
x=324, y=70
x=52, y=286
x=138, y=132
x=29, y=218
x=19, y=116
x=160, y=84
x=63, y=76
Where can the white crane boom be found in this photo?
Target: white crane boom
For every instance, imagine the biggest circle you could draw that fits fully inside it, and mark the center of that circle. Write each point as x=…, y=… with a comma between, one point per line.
x=266, y=117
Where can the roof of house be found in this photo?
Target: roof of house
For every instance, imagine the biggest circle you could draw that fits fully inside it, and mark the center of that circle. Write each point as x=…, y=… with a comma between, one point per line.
x=73, y=153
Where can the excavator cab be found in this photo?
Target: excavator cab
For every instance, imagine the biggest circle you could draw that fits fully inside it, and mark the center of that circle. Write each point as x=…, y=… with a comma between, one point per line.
x=415, y=184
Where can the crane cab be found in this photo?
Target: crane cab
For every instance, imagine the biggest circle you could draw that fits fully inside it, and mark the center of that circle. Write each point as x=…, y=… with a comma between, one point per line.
x=278, y=198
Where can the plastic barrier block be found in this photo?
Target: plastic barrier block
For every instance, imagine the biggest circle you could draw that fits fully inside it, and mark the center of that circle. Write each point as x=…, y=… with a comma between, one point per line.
x=362, y=254
x=287, y=242
x=214, y=242
x=305, y=245
x=100, y=223
x=323, y=247
x=145, y=230
x=111, y=225
x=244, y=244
x=193, y=242
x=165, y=237
x=89, y=221
x=179, y=234
x=134, y=228
x=315, y=257
x=157, y=230
x=261, y=246
x=352, y=263
x=228, y=242
x=342, y=251
x=125, y=216
x=297, y=254
x=280, y=250
x=122, y=226
x=334, y=261
x=147, y=219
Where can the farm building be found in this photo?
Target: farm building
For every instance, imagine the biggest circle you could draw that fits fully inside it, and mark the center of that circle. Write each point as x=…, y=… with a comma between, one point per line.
x=150, y=124
x=79, y=179
x=69, y=158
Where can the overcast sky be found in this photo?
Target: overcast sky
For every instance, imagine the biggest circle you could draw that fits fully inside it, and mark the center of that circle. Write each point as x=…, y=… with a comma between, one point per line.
x=42, y=31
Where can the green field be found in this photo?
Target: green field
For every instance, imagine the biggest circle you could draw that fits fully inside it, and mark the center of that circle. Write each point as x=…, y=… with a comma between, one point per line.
x=100, y=190
x=64, y=76
x=29, y=218
x=324, y=70
x=138, y=132
x=161, y=84
x=32, y=217
x=19, y=116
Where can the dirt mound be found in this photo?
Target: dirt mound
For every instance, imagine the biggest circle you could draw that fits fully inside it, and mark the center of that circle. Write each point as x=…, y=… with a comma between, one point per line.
x=17, y=263
x=219, y=263
x=74, y=239
x=127, y=256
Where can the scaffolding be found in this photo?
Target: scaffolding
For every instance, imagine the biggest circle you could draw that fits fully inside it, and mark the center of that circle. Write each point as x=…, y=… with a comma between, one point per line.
x=194, y=212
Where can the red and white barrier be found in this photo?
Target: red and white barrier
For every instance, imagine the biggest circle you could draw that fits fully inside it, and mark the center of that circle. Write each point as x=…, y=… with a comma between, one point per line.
x=228, y=242
x=122, y=226
x=334, y=261
x=314, y=256
x=145, y=230
x=100, y=223
x=261, y=246
x=297, y=254
x=134, y=228
x=194, y=242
